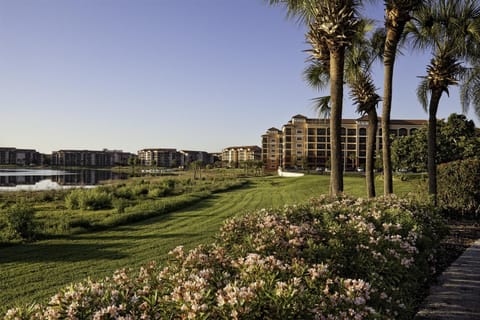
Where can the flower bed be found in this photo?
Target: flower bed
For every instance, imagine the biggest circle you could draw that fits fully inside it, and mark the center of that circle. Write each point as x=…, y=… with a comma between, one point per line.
x=342, y=259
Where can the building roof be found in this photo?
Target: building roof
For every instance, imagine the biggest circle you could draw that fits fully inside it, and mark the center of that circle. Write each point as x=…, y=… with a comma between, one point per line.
x=243, y=147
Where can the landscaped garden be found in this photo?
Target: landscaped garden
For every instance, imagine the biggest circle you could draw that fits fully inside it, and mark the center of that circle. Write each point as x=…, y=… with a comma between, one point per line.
x=34, y=270
x=222, y=256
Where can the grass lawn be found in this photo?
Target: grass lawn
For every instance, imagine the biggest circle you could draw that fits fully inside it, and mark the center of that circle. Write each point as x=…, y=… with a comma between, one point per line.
x=34, y=272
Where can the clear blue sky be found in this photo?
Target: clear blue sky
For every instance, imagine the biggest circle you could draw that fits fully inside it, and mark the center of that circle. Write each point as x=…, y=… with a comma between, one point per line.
x=187, y=74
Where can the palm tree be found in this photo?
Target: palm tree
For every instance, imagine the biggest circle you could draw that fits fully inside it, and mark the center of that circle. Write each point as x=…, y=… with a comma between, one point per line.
x=332, y=25
x=397, y=14
x=451, y=29
x=364, y=96
x=358, y=61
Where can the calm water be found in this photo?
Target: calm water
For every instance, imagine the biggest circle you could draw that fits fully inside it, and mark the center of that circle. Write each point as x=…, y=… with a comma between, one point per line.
x=42, y=179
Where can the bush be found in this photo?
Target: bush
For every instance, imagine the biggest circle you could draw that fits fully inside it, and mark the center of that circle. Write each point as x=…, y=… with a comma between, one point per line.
x=120, y=204
x=19, y=220
x=346, y=259
x=88, y=199
x=458, y=187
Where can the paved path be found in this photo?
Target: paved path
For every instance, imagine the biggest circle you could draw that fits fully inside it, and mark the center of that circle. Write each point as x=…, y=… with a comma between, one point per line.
x=457, y=295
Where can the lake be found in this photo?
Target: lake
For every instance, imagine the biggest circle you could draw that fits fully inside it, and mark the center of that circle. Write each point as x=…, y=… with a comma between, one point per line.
x=47, y=179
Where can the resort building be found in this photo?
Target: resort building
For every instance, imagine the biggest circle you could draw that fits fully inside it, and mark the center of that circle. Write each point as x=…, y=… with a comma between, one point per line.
x=160, y=157
x=169, y=157
x=89, y=158
x=20, y=157
x=188, y=156
x=232, y=156
x=305, y=142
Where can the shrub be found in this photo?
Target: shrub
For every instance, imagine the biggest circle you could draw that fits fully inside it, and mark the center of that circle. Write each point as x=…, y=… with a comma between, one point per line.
x=120, y=204
x=458, y=187
x=88, y=199
x=19, y=220
x=346, y=259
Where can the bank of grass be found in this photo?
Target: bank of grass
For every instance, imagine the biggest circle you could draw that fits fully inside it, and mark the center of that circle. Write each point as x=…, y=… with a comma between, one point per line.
x=35, y=271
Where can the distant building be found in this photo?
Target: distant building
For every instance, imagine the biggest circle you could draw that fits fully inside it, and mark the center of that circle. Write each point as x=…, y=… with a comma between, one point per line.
x=160, y=157
x=306, y=142
x=20, y=157
x=234, y=155
x=188, y=156
x=90, y=158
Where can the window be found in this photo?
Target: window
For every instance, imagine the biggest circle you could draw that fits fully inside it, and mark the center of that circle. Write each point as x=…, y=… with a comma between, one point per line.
x=299, y=138
x=351, y=132
x=299, y=145
x=351, y=139
x=342, y=131
x=363, y=132
x=412, y=131
x=321, y=131
x=321, y=139
x=299, y=131
x=402, y=132
x=311, y=131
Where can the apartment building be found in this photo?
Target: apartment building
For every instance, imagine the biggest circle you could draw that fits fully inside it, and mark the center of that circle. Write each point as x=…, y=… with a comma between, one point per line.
x=188, y=156
x=160, y=157
x=90, y=158
x=234, y=155
x=20, y=157
x=305, y=142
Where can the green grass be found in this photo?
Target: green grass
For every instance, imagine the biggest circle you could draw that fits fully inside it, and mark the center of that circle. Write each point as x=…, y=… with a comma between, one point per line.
x=34, y=272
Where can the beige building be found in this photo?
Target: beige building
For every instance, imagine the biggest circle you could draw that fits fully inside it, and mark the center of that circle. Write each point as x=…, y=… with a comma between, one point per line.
x=234, y=155
x=305, y=142
x=160, y=157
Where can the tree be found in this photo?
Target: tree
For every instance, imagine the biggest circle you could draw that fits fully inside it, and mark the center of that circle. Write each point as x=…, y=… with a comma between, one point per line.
x=397, y=14
x=451, y=29
x=331, y=27
x=196, y=166
x=359, y=59
x=456, y=139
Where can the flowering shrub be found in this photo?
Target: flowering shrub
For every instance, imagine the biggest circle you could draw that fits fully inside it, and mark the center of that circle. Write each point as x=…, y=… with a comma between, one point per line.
x=341, y=259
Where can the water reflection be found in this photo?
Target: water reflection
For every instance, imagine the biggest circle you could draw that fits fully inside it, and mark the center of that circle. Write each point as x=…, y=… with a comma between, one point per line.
x=32, y=179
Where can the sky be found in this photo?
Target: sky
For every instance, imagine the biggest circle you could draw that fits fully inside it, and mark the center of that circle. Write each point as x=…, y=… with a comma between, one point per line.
x=185, y=74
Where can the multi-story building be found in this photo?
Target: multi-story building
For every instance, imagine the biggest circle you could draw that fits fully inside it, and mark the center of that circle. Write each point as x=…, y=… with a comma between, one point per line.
x=22, y=157
x=234, y=155
x=305, y=142
x=188, y=156
x=160, y=157
x=90, y=158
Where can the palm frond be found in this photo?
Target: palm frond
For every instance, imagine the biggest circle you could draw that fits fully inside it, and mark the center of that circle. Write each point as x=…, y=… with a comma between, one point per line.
x=317, y=75
x=422, y=93
x=322, y=106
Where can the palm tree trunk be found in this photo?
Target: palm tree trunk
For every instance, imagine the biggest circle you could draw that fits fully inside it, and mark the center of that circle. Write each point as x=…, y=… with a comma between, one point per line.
x=337, y=57
x=432, y=144
x=371, y=146
x=391, y=43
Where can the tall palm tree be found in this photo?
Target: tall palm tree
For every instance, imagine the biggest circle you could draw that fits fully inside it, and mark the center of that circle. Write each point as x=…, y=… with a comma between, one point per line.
x=358, y=61
x=332, y=25
x=364, y=96
x=397, y=14
x=451, y=29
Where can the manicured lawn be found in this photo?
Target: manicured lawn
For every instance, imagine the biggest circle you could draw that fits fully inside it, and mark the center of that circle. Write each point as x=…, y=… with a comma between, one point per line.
x=34, y=272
